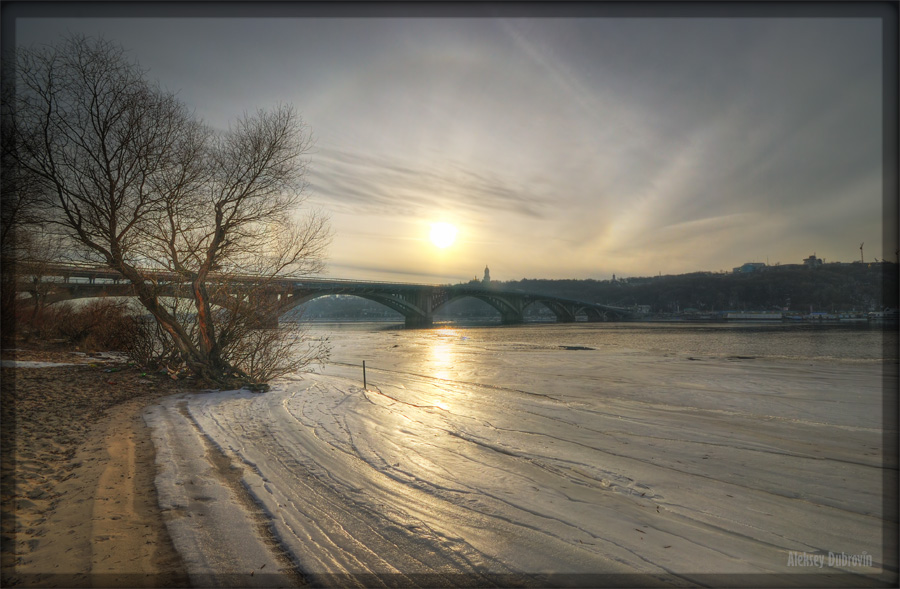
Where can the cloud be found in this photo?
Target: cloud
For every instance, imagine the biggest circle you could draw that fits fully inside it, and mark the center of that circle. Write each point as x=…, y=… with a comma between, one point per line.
x=380, y=185
x=391, y=273
x=566, y=146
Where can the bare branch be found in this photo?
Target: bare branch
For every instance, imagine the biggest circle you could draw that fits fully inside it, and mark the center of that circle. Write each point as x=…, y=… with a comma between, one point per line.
x=130, y=176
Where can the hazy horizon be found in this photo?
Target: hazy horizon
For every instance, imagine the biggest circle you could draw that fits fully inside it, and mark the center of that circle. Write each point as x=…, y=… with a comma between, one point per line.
x=557, y=147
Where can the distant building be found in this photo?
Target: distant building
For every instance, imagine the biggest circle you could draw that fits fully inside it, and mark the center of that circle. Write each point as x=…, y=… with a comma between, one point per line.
x=813, y=261
x=487, y=275
x=749, y=267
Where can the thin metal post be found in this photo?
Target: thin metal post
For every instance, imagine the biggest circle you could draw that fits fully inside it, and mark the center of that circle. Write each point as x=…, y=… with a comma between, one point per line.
x=364, y=376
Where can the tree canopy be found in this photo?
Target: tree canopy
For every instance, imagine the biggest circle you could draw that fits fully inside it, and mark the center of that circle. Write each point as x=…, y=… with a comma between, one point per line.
x=130, y=178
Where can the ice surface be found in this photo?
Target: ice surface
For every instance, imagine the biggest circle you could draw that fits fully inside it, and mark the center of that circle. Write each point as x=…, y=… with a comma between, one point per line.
x=504, y=458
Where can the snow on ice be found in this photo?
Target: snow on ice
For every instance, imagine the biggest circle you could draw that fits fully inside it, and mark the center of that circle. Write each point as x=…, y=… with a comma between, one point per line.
x=527, y=465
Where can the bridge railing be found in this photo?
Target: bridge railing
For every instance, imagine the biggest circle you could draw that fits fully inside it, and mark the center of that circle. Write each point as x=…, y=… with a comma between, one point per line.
x=84, y=269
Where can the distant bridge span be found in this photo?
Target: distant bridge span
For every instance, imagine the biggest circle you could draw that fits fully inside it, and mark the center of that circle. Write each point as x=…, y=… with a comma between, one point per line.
x=416, y=302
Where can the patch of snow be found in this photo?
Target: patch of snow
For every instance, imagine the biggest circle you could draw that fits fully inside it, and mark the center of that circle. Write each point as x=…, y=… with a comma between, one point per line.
x=530, y=461
x=30, y=364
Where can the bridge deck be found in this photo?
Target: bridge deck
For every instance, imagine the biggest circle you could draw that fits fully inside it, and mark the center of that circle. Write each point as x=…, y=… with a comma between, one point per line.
x=417, y=302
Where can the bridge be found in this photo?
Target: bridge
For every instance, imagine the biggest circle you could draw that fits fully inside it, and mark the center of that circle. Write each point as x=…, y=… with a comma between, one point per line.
x=416, y=302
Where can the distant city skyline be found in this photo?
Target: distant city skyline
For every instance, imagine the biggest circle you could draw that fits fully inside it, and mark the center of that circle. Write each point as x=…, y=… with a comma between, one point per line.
x=555, y=147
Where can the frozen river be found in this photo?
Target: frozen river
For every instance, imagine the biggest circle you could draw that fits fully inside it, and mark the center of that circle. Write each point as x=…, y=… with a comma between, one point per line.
x=539, y=455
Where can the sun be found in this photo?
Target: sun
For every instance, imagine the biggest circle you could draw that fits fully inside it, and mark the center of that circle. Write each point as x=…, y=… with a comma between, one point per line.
x=443, y=234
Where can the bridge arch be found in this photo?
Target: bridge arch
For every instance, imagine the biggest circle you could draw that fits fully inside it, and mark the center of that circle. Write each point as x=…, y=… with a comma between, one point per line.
x=509, y=311
x=593, y=313
x=563, y=312
x=413, y=314
x=392, y=304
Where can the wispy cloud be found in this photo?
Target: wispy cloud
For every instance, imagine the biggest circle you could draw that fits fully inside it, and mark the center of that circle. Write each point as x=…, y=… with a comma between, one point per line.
x=393, y=273
x=381, y=185
x=576, y=147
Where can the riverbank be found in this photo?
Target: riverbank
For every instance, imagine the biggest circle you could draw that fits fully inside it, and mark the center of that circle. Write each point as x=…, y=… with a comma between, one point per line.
x=79, y=503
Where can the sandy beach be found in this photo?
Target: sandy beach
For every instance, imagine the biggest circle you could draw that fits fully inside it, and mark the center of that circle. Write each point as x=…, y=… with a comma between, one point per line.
x=79, y=505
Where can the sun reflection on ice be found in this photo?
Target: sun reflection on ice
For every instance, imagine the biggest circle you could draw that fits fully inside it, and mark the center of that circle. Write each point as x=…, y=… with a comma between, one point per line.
x=441, y=356
x=442, y=359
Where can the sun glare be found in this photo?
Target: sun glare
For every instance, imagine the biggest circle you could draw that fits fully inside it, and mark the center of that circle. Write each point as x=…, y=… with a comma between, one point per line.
x=443, y=234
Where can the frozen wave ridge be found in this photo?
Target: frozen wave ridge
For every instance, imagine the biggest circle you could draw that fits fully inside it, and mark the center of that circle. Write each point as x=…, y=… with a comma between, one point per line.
x=441, y=482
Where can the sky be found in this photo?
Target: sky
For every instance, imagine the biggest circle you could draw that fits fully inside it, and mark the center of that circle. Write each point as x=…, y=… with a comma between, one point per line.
x=558, y=147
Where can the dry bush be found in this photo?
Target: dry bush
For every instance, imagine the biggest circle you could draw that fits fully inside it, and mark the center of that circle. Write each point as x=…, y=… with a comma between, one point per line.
x=43, y=322
x=259, y=354
x=8, y=309
x=266, y=354
x=111, y=327
x=98, y=325
x=150, y=347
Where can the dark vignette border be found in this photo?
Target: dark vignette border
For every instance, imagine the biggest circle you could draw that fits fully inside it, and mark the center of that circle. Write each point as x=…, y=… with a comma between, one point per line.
x=886, y=10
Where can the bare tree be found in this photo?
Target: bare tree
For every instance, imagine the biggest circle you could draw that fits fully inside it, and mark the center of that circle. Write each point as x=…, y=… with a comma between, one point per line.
x=138, y=184
x=20, y=195
x=35, y=253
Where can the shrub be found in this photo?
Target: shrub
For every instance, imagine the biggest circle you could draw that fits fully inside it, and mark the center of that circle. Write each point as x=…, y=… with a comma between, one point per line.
x=265, y=354
x=149, y=346
x=97, y=325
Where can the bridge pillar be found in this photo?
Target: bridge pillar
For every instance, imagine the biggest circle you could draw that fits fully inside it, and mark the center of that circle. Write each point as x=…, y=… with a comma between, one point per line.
x=564, y=313
x=418, y=321
x=595, y=316
x=512, y=318
x=266, y=310
x=423, y=312
x=266, y=321
x=510, y=306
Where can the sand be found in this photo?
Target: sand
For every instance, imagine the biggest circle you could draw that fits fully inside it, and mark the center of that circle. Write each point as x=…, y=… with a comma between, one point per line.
x=79, y=503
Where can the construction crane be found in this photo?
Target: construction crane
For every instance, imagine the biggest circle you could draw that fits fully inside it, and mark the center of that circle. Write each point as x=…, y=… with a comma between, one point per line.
x=861, y=253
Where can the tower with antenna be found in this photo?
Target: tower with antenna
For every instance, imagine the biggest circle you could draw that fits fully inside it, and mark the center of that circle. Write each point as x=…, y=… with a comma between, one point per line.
x=861, y=260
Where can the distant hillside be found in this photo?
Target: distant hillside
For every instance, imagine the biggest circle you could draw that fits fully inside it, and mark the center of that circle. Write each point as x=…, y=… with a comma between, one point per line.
x=838, y=287
x=829, y=287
